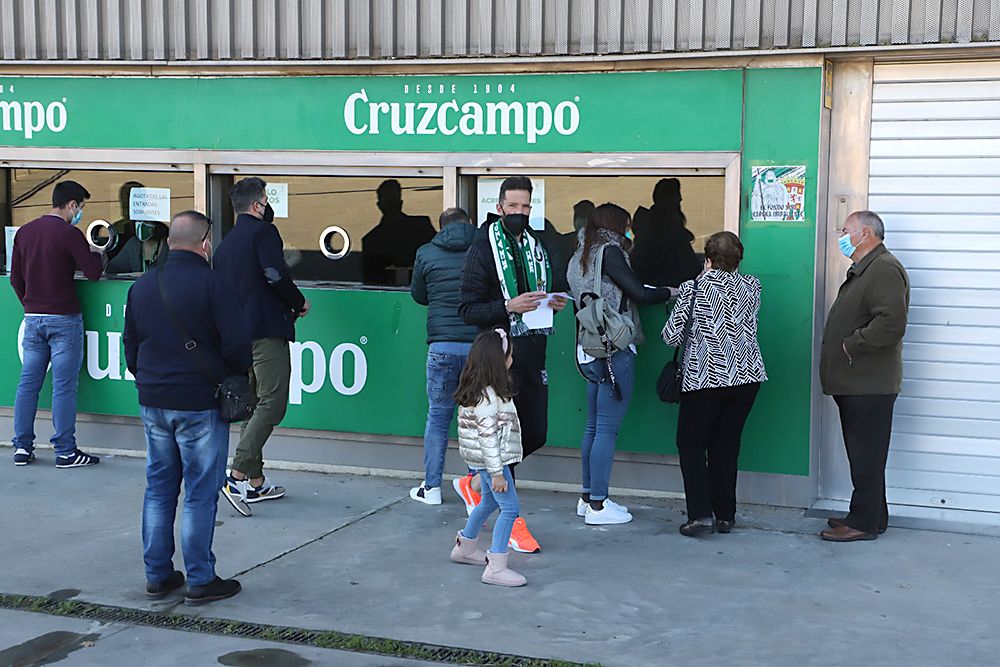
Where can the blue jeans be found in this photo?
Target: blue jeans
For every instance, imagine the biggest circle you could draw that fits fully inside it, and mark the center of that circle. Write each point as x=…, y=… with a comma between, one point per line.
x=55, y=339
x=445, y=362
x=509, y=510
x=188, y=446
x=605, y=413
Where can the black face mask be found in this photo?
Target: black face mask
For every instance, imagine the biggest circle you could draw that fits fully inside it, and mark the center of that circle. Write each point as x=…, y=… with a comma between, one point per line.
x=515, y=223
x=268, y=213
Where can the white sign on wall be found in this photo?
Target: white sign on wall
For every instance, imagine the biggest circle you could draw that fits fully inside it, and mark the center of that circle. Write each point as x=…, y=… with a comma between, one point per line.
x=9, y=233
x=488, y=193
x=277, y=197
x=149, y=204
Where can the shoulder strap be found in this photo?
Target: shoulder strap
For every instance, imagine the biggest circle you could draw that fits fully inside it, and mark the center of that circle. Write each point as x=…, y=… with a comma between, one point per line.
x=190, y=343
x=599, y=269
x=687, y=324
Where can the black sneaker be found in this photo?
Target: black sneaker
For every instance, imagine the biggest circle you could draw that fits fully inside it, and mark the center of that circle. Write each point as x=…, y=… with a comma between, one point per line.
x=160, y=589
x=77, y=459
x=220, y=589
x=23, y=457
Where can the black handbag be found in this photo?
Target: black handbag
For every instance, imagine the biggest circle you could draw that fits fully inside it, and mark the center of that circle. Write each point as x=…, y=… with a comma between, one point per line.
x=236, y=400
x=671, y=380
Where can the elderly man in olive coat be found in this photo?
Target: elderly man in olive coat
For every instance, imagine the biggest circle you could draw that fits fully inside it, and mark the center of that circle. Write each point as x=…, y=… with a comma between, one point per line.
x=862, y=368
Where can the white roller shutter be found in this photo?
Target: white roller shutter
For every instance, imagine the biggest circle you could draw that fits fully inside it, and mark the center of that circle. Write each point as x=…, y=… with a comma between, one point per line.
x=935, y=180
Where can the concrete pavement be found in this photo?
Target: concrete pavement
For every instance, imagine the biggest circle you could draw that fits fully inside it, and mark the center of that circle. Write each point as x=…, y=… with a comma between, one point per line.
x=356, y=555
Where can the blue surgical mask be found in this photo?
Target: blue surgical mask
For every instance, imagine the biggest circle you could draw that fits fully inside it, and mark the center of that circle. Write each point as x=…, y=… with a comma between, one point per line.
x=846, y=246
x=77, y=217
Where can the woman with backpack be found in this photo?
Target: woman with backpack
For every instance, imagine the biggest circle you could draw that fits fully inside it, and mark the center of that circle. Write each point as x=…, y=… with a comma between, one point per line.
x=607, y=293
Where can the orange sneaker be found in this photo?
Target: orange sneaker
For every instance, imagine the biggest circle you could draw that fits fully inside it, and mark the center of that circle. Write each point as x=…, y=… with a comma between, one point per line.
x=521, y=539
x=463, y=487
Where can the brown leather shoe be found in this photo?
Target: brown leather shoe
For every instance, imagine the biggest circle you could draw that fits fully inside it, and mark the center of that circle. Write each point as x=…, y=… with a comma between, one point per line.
x=845, y=533
x=834, y=522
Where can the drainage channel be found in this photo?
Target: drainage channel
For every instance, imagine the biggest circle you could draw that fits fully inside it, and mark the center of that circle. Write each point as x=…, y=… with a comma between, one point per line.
x=330, y=639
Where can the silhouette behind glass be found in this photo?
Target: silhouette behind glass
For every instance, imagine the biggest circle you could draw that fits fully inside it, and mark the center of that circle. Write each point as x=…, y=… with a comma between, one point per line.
x=663, y=254
x=393, y=243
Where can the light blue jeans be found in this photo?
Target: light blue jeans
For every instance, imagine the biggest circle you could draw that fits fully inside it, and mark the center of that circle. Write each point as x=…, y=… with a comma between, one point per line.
x=509, y=509
x=55, y=339
x=445, y=362
x=188, y=446
x=605, y=414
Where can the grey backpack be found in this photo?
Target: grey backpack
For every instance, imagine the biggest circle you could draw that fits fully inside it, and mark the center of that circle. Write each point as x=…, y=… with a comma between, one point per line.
x=602, y=331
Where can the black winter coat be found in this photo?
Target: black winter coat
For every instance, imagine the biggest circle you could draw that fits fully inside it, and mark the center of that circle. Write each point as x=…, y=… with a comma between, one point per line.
x=251, y=259
x=167, y=375
x=436, y=283
x=482, y=302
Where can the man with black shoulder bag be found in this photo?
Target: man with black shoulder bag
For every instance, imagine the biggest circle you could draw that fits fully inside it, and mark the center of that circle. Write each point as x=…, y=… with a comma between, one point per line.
x=185, y=343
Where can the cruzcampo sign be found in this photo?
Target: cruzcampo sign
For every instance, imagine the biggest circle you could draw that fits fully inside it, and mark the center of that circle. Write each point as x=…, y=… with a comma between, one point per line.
x=627, y=112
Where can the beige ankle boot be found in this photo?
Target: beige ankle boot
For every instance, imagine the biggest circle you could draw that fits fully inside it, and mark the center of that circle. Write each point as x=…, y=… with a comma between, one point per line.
x=496, y=572
x=467, y=551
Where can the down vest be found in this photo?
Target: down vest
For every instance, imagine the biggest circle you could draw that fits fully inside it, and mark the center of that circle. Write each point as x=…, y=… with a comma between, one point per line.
x=489, y=435
x=436, y=283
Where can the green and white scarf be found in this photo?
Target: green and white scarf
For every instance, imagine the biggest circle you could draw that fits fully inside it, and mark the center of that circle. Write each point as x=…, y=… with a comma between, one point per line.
x=537, y=268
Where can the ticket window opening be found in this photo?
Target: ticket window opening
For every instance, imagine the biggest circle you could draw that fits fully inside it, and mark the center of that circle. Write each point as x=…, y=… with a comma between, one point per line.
x=672, y=217
x=134, y=246
x=355, y=230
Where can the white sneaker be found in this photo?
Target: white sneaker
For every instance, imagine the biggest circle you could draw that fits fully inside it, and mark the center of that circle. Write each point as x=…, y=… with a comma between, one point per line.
x=426, y=496
x=581, y=507
x=607, y=516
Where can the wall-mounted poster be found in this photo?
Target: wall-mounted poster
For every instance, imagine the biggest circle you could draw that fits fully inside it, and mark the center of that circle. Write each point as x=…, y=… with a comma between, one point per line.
x=277, y=197
x=778, y=194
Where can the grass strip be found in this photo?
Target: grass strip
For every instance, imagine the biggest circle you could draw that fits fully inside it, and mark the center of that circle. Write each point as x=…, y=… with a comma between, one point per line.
x=330, y=639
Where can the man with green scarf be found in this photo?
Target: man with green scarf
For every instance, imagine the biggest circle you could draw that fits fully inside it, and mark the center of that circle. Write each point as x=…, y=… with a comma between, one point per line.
x=507, y=273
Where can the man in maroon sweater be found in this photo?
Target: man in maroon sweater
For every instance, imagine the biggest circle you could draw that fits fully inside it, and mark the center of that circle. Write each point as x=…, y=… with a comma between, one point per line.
x=47, y=252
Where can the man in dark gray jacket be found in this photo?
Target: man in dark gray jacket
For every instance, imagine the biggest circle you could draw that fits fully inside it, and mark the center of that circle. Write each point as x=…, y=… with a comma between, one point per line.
x=861, y=366
x=436, y=282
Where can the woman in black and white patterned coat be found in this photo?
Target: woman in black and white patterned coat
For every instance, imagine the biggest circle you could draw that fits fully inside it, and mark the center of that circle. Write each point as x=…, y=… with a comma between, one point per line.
x=723, y=370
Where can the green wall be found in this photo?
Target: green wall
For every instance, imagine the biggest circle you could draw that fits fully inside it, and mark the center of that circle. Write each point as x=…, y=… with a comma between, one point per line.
x=780, y=127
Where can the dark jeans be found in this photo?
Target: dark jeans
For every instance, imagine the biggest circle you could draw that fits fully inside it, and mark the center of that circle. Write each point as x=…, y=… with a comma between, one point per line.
x=867, y=425
x=709, y=429
x=189, y=447
x=531, y=399
x=445, y=362
x=605, y=414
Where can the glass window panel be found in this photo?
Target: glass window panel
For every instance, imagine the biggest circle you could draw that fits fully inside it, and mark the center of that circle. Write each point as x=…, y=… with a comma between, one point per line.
x=136, y=246
x=383, y=240
x=703, y=202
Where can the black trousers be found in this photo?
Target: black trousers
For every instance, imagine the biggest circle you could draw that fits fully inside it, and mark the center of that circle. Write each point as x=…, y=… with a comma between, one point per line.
x=867, y=425
x=709, y=430
x=531, y=399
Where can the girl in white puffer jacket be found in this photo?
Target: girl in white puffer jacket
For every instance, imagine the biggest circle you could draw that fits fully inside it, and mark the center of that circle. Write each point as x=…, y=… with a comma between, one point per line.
x=489, y=440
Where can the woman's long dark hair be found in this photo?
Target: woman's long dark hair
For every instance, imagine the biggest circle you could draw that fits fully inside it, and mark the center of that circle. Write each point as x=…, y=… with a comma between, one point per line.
x=485, y=368
x=606, y=216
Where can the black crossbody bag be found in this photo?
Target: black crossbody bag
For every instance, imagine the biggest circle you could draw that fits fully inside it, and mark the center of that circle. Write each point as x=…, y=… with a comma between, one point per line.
x=671, y=380
x=236, y=400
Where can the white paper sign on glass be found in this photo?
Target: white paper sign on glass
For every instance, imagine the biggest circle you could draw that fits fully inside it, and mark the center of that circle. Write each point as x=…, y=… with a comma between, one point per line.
x=149, y=205
x=488, y=194
x=9, y=233
x=277, y=197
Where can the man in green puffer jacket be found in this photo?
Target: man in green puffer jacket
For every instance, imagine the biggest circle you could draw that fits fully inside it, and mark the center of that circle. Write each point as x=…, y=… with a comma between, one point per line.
x=862, y=368
x=436, y=283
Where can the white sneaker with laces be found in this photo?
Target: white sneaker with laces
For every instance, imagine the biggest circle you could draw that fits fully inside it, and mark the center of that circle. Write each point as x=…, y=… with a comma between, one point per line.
x=581, y=507
x=608, y=516
x=426, y=496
